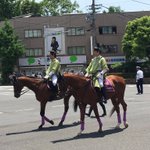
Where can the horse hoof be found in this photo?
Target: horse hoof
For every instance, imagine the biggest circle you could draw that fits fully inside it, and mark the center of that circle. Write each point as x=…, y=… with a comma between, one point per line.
x=79, y=133
x=60, y=124
x=117, y=127
x=76, y=122
x=100, y=130
x=126, y=125
x=51, y=122
x=40, y=127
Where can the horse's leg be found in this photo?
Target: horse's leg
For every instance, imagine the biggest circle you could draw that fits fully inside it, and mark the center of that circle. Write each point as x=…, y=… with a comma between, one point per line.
x=82, y=117
x=116, y=102
x=103, y=108
x=42, y=113
x=97, y=117
x=66, y=107
x=124, y=106
x=43, y=117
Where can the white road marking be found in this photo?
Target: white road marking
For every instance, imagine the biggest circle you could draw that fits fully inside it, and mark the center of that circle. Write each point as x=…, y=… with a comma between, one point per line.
x=30, y=109
x=56, y=106
x=130, y=86
x=5, y=94
x=1, y=87
x=20, y=110
x=129, y=98
x=11, y=93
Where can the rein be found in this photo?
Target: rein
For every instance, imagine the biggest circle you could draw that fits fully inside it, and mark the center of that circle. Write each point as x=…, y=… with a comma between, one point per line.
x=24, y=91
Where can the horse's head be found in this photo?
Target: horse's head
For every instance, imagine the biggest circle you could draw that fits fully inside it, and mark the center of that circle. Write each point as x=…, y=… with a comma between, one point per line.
x=17, y=85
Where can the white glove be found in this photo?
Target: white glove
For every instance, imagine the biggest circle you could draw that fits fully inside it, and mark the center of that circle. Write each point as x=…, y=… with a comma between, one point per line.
x=46, y=77
x=86, y=75
x=99, y=75
x=104, y=71
x=51, y=73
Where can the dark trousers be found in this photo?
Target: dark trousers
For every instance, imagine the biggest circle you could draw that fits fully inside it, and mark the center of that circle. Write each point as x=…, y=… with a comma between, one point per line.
x=54, y=89
x=139, y=85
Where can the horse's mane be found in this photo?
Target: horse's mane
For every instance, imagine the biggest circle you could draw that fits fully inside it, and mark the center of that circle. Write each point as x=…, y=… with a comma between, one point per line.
x=76, y=76
x=31, y=78
x=76, y=80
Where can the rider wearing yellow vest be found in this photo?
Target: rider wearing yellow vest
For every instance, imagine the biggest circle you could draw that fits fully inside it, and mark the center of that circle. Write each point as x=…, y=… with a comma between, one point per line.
x=53, y=72
x=97, y=69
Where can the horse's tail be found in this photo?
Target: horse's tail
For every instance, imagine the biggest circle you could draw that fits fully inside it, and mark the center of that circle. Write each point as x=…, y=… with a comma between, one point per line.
x=112, y=111
x=75, y=105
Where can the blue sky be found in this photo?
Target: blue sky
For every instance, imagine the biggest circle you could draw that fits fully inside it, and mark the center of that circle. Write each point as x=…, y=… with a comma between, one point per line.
x=126, y=5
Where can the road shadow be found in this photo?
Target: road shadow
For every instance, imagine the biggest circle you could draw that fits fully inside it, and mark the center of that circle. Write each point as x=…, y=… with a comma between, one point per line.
x=51, y=128
x=91, y=135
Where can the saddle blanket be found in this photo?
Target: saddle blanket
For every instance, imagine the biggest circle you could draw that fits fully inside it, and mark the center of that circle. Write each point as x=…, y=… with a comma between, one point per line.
x=108, y=85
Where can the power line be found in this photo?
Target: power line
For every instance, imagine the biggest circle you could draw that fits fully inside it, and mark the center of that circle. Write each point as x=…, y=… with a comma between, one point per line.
x=140, y=2
x=124, y=14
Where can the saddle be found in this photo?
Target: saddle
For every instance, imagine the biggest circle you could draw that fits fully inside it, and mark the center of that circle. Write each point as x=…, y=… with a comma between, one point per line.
x=56, y=90
x=108, y=86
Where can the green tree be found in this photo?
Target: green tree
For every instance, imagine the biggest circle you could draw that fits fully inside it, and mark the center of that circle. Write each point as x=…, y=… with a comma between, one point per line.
x=30, y=6
x=113, y=9
x=59, y=7
x=13, y=8
x=22, y=7
x=136, y=40
x=6, y=9
x=10, y=50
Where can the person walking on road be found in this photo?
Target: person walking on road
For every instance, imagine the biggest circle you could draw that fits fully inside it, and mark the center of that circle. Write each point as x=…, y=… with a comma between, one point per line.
x=139, y=80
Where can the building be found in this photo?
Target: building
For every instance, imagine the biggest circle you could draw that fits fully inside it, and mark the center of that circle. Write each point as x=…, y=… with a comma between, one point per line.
x=73, y=33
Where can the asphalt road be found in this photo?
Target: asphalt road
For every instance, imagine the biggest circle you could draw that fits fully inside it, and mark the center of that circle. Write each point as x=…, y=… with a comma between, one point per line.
x=19, y=120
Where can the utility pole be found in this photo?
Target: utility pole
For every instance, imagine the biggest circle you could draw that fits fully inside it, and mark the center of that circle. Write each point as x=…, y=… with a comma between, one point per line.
x=93, y=26
x=91, y=18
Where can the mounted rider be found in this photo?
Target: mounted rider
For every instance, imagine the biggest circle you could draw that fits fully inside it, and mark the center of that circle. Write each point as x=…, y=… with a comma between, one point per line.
x=97, y=70
x=52, y=74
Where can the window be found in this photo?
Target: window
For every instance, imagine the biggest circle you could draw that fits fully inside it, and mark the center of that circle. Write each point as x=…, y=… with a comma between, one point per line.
x=108, y=30
x=75, y=31
x=76, y=50
x=34, y=52
x=109, y=48
x=33, y=33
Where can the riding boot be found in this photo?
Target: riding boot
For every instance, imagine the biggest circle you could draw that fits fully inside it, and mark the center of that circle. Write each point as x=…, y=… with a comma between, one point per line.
x=57, y=93
x=103, y=91
x=54, y=93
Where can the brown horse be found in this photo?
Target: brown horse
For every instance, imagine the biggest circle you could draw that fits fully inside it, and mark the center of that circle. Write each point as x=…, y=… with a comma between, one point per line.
x=85, y=93
x=81, y=89
x=42, y=93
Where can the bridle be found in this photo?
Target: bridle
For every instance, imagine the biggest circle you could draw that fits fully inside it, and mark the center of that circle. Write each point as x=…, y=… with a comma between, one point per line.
x=16, y=83
x=24, y=91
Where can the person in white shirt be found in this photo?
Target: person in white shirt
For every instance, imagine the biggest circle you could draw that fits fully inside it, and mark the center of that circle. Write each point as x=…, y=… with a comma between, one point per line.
x=139, y=80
